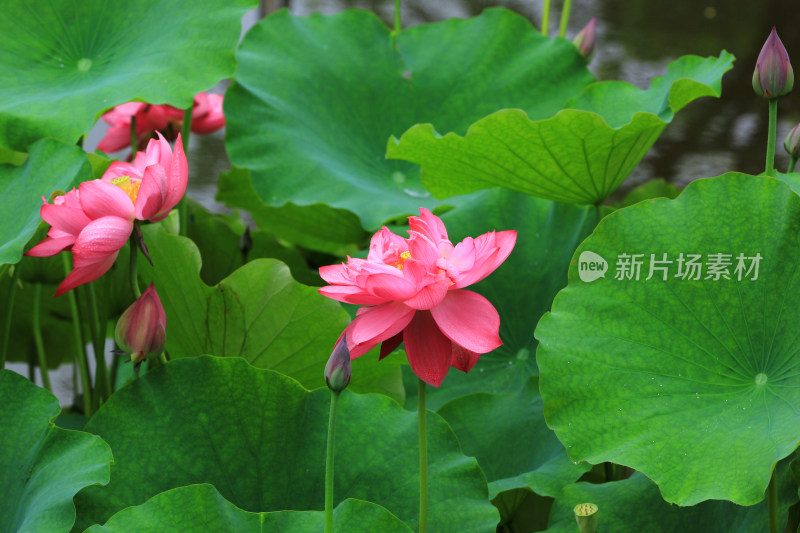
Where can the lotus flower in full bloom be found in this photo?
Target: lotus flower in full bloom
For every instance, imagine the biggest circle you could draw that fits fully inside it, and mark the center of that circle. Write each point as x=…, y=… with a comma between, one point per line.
x=413, y=292
x=95, y=220
x=207, y=116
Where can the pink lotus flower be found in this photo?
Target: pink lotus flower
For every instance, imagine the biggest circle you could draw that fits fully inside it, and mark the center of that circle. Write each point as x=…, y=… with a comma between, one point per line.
x=96, y=220
x=142, y=329
x=207, y=116
x=773, y=75
x=412, y=290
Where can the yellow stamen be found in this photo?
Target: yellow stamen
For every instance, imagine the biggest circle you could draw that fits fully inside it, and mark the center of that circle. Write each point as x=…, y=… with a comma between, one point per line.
x=403, y=258
x=130, y=187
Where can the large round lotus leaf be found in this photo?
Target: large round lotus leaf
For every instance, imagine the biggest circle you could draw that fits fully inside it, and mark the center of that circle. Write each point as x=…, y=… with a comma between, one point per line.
x=259, y=312
x=316, y=99
x=260, y=438
x=50, y=166
x=42, y=466
x=635, y=506
x=580, y=155
x=508, y=436
x=62, y=63
x=521, y=289
x=201, y=508
x=689, y=376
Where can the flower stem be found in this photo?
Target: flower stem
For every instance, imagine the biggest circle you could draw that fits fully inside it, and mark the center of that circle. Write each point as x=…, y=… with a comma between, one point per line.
x=134, y=140
x=772, y=503
x=562, y=30
x=773, y=125
x=396, y=16
x=792, y=163
x=329, y=463
x=545, y=17
x=423, y=459
x=98, y=342
x=186, y=131
x=162, y=357
x=80, y=352
x=134, y=265
x=37, y=335
x=12, y=291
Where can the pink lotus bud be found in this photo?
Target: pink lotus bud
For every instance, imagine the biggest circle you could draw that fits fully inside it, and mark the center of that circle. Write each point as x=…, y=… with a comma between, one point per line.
x=586, y=40
x=792, y=143
x=141, y=330
x=338, y=369
x=773, y=75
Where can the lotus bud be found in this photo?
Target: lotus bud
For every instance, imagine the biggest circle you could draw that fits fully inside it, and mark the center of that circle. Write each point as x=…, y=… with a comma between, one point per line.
x=142, y=329
x=338, y=370
x=773, y=75
x=586, y=40
x=792, y=143
x=586, y=516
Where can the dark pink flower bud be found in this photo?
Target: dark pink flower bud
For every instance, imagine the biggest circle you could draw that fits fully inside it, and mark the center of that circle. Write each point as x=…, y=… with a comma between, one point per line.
x=586, y=40
x=338, y=369
x=773, y=75
x=792, y=143
x=142, y=328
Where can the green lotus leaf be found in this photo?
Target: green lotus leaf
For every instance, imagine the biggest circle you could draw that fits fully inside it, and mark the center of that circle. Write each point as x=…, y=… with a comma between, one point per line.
x=634, y=505
x=686, y=370
x=259, y=312
x=42, y=466
x=259, y=438
x=51, y=166
x=64, y=63
x=580, y=155
x=201, y=508
x=325, y=143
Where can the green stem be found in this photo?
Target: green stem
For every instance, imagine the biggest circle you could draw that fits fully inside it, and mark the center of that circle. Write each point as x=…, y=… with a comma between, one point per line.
x=12, y=291
x=423, y=459
x=329, y=464
x=562, y=30
x=773, y=124
x=186, y=131
x=134, y=265
x=598, y=209
x=396, y=16
x=772, y=497
x=98, y=342
x=545, y=17
x=80, y=352
x=162, y=357
x=37, y=335
x=134, y=139
x=792, y=163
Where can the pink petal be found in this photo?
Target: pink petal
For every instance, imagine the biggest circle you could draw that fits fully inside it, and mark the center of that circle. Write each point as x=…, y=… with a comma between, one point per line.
x=67, y=219
x=389, y=345
x=117, y=169
x=389, y=287
x=100, y=239
x=386, y=247
x=428, y=225
x=462, y=358
x=50, y=246
x=177, y=176
x=491, y=249
x=335, y=274
x=429, y=296
x=350, y=294
x=211, y=116
x=87, y=274
x=152, y=193
x=376, y=324
x=100, y=199
x=424, y=250
x=117, y=137
x=469, y=320
x=428, y=350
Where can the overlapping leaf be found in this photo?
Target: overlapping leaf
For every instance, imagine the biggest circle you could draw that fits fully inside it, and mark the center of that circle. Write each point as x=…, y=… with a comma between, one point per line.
x=42, y=466
x=580, y=155
x=259, y=438
x=691, y=381
x=63, y=63
x=316, y=134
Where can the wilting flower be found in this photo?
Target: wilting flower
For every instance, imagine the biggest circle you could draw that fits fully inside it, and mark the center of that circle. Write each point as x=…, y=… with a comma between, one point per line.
x=586, y=40
x=412, y=290
x=142, y=329
x=96, y=220
x=207, y=116
x=338, y=369
x=773, y=75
